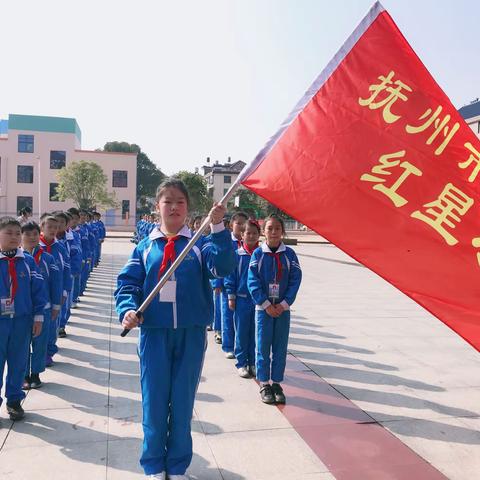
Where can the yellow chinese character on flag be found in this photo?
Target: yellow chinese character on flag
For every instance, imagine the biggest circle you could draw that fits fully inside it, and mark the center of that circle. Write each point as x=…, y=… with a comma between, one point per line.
x=476, y=244
x=473, y=158
x=387, y=162
x=447, y=209
x=440, y=126
x=393, y=92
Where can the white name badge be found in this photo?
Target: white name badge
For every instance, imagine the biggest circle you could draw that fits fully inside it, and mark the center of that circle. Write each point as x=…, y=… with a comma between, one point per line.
x=274, y=291
x=7, y=306
x=168, y=293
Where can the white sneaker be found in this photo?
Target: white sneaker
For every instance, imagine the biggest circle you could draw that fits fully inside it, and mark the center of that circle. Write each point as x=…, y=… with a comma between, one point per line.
x=230, y=355
x=243, y=372
x=158, y=476
x=177, y=477
x=74, y=305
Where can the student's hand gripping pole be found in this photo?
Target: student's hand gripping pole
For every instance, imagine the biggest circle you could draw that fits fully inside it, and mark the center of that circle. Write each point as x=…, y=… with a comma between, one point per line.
x=179, y=259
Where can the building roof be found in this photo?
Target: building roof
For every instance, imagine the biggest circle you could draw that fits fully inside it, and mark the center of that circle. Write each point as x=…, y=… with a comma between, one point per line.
x=471, y=110
x=233, y=168
x=38, y=123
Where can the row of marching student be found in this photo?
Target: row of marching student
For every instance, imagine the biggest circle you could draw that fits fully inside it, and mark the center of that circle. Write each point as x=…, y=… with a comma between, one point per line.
x=44, y=268
x=258, y=284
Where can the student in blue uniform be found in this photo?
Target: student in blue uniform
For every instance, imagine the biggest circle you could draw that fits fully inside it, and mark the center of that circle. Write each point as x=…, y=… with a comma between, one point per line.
x=237, y=226
x=241, y=303
x=102, y=234
x=217, y=287
x=22, y=301
x=76, y=258
x=173, y=331
x=53, y=282
x=274, y=278
x=86, y=250
x=49, y=243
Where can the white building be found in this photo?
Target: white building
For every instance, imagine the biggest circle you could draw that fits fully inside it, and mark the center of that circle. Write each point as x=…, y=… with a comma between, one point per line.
x=471, y=114
x=220, y=177
x=32, y=151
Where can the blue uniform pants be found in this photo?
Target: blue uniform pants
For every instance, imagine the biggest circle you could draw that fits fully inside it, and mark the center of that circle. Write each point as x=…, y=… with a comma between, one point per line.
x=272, y=337
x=77, y=279
x=37, y=359
x=171, y=362
x=15, y=335
x=228, y=329
x=65, y=312
x=52, y=348
x=85, y=275
x=217, y=312
x=244, y=319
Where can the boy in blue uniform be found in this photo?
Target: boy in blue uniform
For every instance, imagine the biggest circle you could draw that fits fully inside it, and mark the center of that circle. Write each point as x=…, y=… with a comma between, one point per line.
x=50, y=244
x=22, y=301
x=86, y=250
x=102, y=234
x=51, y=276
x=76, y=259
x=274, y=278
x=241, y=303
x=237, y=225
x=173, y=335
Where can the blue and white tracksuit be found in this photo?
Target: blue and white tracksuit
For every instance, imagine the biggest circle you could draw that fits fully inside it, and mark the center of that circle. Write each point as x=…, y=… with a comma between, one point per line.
x=76, y=263
x=103, y=234
x=86, y=255
x=217, y=304
x=53, y=282
x=244, y=314
x=272, y=333
x=65, y=312
x=16, y=328
x=59, y=253
x=228, y=326
x=93, y=247
x=172, y=339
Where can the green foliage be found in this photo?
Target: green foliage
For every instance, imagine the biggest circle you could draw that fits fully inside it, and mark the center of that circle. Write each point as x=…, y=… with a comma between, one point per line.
x=254, y=205
x=200, y=201
x=86, y=184
x=149, y=176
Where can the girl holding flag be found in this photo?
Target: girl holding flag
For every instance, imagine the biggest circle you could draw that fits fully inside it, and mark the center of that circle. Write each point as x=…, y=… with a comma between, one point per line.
x=274, y=278
x=173, y=327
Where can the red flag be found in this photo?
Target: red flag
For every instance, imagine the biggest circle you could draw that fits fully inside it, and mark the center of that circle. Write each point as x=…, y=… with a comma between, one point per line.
x=377, y=160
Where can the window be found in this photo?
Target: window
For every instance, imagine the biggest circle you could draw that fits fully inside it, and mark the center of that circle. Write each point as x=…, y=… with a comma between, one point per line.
x=210, y=180
x=23, y=202
x=24, y=174
x=225, y=190
x=119, y=178
x=25, y=143
x=125, y=209
x=227, y=179
x=57, y=159
x=53, y=192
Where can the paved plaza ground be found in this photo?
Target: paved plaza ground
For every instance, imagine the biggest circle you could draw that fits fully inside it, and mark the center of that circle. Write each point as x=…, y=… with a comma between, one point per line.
x=377, y=389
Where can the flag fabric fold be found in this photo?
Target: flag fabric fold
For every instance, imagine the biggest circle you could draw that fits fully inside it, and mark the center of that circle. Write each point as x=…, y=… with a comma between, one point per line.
x=376, y=159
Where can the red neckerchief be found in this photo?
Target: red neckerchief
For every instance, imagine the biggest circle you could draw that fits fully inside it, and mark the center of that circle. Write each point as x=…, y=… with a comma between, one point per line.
x=12, y=273
x=48, y=245
x=37, y=255
x=168, y=253
x=276, y=256
x=250, y=252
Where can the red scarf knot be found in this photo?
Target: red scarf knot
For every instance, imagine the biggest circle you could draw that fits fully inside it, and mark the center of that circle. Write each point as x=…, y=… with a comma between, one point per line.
x=168, y=253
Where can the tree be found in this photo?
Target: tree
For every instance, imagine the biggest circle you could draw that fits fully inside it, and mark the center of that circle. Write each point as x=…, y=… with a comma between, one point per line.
x=254, y=205
x=200, y=201
x=84, y=183
x=149, y=176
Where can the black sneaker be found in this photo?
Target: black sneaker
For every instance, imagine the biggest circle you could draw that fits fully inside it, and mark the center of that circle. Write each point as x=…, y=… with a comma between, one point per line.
x=277, y=392
x=15, y=410
x=218, y=339
x=35, y=381
x=267, y=394
x=26, y=384
x=62, y=333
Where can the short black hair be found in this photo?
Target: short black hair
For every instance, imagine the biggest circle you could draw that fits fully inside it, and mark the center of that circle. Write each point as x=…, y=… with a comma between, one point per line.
x=238, y=215
x=30, y=226
x=9, y=222
x=278, y=218
x=47, y=217
x=73, y=211
x=59, y=214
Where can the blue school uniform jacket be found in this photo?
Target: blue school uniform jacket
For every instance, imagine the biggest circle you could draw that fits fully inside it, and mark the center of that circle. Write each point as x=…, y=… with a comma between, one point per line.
x=236, y=282
x=52, y=276
x=85, y=242
x=31, y=296
x=75, y=245
x=211, y=256
x=263, y=271
x=62, y=259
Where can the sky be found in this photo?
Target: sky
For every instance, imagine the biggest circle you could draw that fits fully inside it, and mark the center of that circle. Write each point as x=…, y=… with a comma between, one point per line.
x=191, y=79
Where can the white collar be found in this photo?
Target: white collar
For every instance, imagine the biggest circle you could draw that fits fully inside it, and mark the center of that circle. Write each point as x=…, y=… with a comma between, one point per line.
x=157, y=233
x=234, y=238
x=19, y=254
x=69, y=234
x=44, y=244
x=266, y=249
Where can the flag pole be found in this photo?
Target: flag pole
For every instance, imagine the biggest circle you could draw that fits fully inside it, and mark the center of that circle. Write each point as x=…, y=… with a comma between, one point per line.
x=183, y=254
